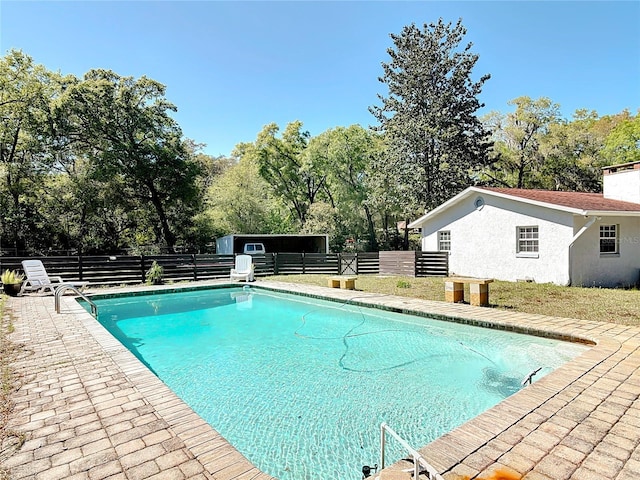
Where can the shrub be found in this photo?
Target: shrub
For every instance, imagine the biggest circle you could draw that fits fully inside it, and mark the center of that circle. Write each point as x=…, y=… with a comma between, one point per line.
x=155, y=274
x=11, y=277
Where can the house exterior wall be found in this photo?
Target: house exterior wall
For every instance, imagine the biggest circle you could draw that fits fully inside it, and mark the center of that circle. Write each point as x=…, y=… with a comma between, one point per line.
x=590, y=268
x=483, y=241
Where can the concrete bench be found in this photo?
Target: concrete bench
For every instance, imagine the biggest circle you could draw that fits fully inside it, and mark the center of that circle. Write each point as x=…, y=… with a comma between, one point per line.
x=347, y=283
x=478, y=289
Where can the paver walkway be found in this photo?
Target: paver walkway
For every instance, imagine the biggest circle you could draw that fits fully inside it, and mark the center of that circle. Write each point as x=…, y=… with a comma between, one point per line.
x=91, y=410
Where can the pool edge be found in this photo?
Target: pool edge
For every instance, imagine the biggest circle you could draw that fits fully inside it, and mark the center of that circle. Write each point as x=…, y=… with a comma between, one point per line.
x=449, y=453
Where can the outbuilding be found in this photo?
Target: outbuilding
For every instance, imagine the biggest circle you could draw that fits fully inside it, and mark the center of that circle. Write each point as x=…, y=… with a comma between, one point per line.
x=566, y=238
x=274, y=243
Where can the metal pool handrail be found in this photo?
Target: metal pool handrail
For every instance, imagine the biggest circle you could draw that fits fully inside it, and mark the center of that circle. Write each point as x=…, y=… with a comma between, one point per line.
x=67, y=286
x=418, y=460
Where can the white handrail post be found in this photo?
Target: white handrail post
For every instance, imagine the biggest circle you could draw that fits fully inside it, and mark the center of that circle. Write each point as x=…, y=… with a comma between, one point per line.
x=418, y=460
x=57, y=299
x=382, y=429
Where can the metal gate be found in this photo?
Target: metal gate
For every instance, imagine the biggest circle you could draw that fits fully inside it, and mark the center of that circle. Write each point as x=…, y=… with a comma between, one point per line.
x=348, y=264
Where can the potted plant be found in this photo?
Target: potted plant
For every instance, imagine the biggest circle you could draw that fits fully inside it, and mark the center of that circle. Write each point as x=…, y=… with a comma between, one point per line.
x=154, y=274
x=11, y=282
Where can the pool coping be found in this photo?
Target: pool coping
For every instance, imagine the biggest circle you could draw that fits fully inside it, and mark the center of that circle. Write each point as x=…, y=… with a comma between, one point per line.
x=576, y=422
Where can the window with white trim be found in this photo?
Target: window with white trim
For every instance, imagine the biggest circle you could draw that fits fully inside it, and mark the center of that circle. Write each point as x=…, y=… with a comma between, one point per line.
x=609, y=238
x=444, y=240
x=527, y=239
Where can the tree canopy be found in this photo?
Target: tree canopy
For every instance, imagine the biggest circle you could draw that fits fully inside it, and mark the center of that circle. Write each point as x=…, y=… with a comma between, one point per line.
x=99, y=165
x=106, y=145
x=123, y=127
x=536, y=148
x=435, y=141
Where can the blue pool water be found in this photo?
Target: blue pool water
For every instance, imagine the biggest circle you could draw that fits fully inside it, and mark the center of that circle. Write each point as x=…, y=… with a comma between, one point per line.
x=300, y=386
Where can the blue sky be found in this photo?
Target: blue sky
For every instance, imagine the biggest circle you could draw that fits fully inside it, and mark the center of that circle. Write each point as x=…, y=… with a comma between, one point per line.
x=232, y=67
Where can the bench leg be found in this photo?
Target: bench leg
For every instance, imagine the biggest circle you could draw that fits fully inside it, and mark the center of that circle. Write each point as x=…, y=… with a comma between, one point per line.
x=453, y=292
x=479, y=294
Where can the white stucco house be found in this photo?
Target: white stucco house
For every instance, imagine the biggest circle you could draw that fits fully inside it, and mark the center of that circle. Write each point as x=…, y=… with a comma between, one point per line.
x=566, y=238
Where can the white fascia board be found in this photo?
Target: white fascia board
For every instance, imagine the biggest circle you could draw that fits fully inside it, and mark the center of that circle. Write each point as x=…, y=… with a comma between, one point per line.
x=603, y=213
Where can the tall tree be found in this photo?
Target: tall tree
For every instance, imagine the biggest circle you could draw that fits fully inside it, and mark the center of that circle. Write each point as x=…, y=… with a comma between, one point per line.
x=284, y=165
x=518, y=136
x=435, y=141
x=385, y=199
x=571, y=154
x=27, y=92
x=537, y=148
x=347, y=154
x=622, y=144
x=125, y=129
x=240, y=201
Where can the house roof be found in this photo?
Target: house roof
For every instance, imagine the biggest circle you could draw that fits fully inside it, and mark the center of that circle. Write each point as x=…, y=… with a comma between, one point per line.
x=572, y=202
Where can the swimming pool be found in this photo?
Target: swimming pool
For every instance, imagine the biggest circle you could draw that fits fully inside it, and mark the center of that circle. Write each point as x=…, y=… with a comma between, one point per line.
x=300, y=385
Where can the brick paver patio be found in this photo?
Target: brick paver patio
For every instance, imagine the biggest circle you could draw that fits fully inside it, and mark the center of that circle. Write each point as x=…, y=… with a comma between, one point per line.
x=90, y=410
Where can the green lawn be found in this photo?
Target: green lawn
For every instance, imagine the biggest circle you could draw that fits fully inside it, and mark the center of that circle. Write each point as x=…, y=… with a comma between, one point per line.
x=599, y=304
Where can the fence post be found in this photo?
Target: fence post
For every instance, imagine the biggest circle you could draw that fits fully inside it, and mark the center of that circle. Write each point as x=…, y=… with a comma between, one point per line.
x=357, y=264
x=303, y=266
x=275, y=263
x=144, y=274
x=80, y=267
x=195, y=267
x=339, y=263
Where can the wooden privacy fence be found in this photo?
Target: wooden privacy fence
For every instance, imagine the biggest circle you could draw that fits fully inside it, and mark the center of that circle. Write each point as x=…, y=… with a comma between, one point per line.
x=130, y=269
x=414, y=264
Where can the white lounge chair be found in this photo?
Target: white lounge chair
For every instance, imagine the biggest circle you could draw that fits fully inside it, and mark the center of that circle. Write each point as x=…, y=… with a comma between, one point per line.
x=243, y=269
x=37, y=279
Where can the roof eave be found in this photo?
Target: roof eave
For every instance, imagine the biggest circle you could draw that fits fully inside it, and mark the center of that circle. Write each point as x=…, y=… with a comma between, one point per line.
x=538, y=203
x=571, y=210
x=465, y=193
x=453, y=200
x=610, y=213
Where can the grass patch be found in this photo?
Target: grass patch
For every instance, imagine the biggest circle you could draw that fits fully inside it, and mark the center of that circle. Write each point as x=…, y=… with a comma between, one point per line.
x=610, y=305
